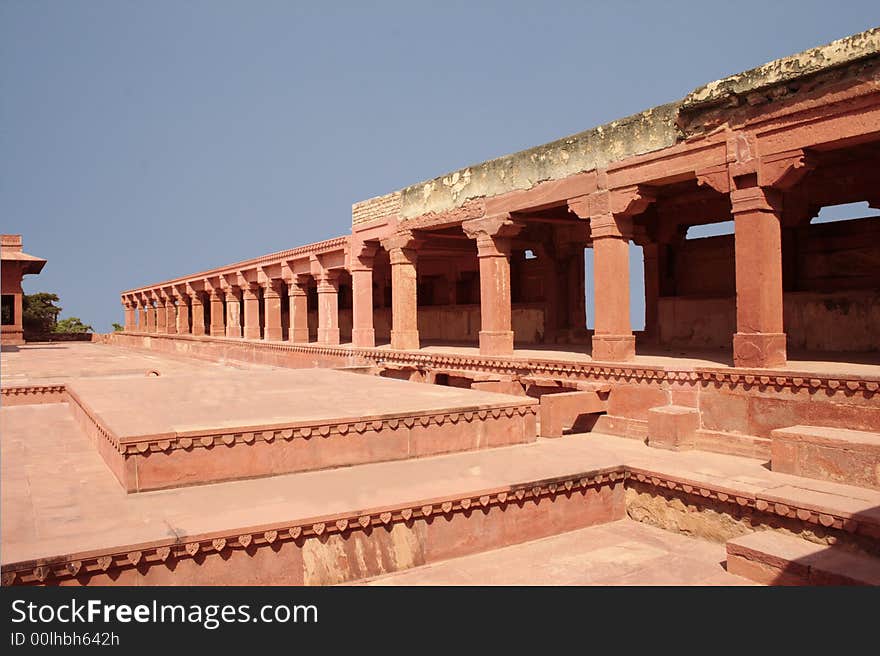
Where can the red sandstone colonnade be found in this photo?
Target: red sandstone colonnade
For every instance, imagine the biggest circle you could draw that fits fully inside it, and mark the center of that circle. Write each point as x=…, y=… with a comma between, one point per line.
x=268, y=298
x=488, y=255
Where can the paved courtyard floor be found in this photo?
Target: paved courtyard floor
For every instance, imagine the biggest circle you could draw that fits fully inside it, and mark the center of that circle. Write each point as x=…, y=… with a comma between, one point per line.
x=59, y=497
x=618, y=553
x=56, y=363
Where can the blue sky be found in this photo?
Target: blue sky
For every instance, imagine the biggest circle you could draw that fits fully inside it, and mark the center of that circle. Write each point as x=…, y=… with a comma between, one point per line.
x=145, y=140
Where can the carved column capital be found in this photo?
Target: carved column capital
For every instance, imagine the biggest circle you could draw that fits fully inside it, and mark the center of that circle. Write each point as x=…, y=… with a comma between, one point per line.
x=784, y=170
x=492, y=234
x=610, y=226
x=362, y=255
x=250, y=291
x=298, y=284
x=402, y=247
x=272, y=287
x=620, y=204
x=328, y=281
x=755, y=199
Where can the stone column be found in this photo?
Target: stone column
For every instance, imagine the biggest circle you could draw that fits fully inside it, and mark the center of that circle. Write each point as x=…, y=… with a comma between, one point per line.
x=328, y=307
x=126, y=305
x=650, y=251
x=198, y=313
x=613, y=338
x=299, y=310
x=170, y=316
x=233, y=313
x=161, y=315
x=183, y=320
x=218, y=324
x=577, y=309
x=150, y=316
x=551, y=273
x=492, y=235
x=404, y=290
x=759, y=340
x=251, y=297
x=272, y=303
x=139, y=316
x=362, y=332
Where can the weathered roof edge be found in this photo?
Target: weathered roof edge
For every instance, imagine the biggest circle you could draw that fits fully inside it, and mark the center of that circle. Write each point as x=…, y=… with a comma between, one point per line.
x=647, y=131
x=831, y=55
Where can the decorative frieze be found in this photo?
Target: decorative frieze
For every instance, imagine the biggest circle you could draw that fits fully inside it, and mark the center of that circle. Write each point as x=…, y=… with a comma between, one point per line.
x=515, y=366
x=146, y=556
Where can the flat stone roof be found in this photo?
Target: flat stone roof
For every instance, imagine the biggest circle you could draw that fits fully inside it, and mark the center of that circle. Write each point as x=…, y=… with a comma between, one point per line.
x=648, y=131
x=10, y=251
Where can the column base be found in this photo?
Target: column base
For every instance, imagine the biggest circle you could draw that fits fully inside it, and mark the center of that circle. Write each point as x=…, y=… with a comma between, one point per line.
x=233, y=332
x=328, y=336
x=405, y=340
x=252, y=333
x=363, y=337
x=759, y=350
x=496, y=342
x=273, y=335
x=218, y=331
x=614, y=348
x=198, y=331
x=299, y=336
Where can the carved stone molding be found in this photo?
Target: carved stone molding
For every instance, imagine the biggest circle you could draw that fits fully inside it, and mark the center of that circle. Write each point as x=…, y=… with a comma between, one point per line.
x=251, y=538
x=785, y=170
x=515, y=366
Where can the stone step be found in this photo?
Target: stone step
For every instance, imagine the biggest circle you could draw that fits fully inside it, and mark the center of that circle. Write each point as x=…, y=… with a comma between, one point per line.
x=569, y=411
x=826, y=453
x=164, y=432
x=349, y=523
x=673, y=427
x=775, y=558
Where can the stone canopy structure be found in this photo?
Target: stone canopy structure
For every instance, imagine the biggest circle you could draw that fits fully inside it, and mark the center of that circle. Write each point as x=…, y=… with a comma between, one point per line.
x=259, y=441
x=16, y=264
x=477, y=277
x=495, y=251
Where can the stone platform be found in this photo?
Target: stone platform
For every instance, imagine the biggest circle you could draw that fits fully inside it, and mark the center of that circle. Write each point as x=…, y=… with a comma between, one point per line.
x=66, y=520
x=156, y=431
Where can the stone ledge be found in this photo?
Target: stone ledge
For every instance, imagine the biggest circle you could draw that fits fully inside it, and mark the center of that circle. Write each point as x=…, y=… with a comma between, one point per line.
x=775, y=559
x=29, y=394
x=827, y=453
x=166, y=553
x=730, y=378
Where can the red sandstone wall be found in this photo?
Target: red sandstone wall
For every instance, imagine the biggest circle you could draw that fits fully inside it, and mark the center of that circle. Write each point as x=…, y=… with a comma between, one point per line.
x=447, y=323
x=831, y=301
x=814, y=321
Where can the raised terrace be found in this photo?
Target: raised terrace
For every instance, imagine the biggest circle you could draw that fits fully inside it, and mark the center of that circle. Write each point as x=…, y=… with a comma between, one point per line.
x=460, y=418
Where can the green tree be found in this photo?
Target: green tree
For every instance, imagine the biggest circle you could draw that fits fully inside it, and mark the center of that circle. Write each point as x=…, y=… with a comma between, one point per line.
x=71, y=325
x=117, y=327
x=39, y=312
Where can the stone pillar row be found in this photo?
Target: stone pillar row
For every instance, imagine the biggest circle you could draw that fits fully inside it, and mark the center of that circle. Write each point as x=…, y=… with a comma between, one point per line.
x=758, y=342
x=235, y=310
